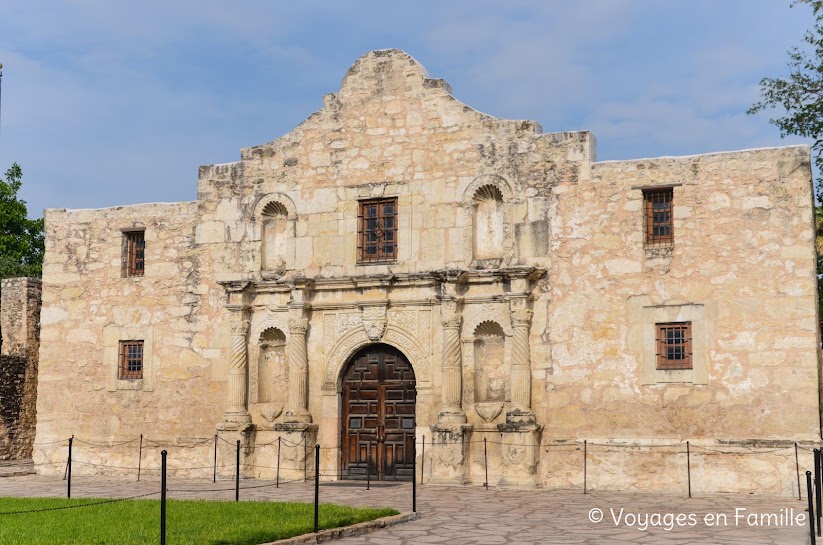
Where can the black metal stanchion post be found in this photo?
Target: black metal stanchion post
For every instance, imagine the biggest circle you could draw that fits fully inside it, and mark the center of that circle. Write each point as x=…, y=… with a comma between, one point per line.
x=237, y=474
x=140, y=457
x=810, y=493
x=797, y=468
x=277, y=482
x=214, y=473
x=585, y=461
x=817, y=486
x=486, y=463
x=414, y=484
x=423, y=460
x=68, y=470
x=368, y=467
x=163, y=497
x=305, y=458
x=689, y=468
x=316, y=488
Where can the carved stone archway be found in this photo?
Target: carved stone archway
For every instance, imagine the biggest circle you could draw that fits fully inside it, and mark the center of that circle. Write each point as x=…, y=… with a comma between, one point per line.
x=349, y=344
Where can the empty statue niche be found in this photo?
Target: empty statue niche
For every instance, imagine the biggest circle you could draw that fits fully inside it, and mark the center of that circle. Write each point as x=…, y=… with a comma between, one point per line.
x=490, y=373
x=273, y=374
x=275, y=237
x=489, y=223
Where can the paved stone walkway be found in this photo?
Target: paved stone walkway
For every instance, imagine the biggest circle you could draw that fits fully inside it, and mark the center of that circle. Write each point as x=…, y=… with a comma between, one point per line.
x=474, y=516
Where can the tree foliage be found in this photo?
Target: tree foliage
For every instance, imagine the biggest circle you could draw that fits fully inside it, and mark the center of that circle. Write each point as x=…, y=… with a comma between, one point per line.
x=22, y=241
x=800, y=95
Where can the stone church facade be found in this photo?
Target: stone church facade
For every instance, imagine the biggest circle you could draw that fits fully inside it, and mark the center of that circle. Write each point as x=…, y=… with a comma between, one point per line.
x=401, y=269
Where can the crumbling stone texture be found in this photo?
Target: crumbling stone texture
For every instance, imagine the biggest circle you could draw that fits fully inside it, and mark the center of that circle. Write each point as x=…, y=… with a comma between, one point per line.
x=20, y=321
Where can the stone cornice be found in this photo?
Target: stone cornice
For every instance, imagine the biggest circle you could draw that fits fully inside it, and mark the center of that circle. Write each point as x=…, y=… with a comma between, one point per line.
x=400, y=280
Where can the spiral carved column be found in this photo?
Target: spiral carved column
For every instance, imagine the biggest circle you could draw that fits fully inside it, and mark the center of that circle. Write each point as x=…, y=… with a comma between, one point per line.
x=521, y=373
x=298, y=404
x=236, y=412
x=452, y=386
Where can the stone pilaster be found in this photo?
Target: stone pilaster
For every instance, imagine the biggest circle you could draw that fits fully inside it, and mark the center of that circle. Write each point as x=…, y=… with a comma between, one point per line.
x=297, y=410
x=520, y=455
x=296, y=415
x=236, y=413
x=521, y=373
x=521, y=360
x=452, y=368
x=450, y=453
x=521, y=433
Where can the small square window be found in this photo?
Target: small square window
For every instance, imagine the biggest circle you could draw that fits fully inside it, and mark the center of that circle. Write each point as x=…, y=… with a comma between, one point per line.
x=377, y=230
x=674, y=346
x=130, y=364
x=657, y=216
x=134, y=251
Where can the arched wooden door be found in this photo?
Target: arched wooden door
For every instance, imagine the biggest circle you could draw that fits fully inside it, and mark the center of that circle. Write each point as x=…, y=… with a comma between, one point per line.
x=378, y=415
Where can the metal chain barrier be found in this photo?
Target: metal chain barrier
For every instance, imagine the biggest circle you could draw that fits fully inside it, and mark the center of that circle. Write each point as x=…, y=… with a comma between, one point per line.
x=484, y=445
x=78, y=506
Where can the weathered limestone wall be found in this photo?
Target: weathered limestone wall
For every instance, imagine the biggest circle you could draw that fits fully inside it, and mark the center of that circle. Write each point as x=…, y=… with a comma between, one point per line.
x=88, y=307
x=20, y=325
x=742, y=268
x=522, y=296
x=390, y=131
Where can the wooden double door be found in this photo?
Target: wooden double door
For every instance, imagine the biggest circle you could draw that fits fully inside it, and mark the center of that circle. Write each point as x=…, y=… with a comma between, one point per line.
x=378, y=415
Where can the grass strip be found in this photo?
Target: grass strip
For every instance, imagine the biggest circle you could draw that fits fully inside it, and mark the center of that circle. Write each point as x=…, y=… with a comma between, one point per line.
x=188, y=522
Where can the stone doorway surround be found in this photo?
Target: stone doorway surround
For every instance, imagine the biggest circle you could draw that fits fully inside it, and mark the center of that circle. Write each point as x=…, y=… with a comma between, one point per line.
x=346, y=348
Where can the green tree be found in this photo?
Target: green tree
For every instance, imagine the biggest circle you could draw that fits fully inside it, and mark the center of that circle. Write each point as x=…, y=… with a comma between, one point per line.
x=800, y=95
x=21, y=239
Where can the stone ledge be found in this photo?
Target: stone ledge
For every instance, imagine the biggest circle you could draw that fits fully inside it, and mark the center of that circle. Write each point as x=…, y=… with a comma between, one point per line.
x=346, y=531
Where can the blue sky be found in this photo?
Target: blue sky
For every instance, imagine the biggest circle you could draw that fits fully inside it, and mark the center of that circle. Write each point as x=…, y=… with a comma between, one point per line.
x=109, y=103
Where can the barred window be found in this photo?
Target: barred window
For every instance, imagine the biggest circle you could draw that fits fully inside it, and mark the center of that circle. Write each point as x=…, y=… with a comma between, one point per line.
x=134, y=250
x=377, y=230
x=657, y=215
x=131, y=360
x=674, y=345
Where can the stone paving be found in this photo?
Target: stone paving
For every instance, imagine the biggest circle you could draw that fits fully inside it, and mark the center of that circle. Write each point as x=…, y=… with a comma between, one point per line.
x=474, y=516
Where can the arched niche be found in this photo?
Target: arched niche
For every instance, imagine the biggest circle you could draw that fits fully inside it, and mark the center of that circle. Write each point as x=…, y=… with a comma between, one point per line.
x=488, y=210
x=265, y=355
x=488, y=223
x=275, y=228
x=272, y=367
x=354, y=340
x=490, y=370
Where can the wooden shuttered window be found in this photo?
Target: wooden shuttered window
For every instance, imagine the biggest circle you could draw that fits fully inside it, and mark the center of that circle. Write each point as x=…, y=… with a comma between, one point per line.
x=377, y=230
x=130, y=364
x=674, y=345
x=657, y=216
x=134, y=250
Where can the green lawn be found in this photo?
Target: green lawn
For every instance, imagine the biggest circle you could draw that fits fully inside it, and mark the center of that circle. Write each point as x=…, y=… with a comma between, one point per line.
x=137, y=522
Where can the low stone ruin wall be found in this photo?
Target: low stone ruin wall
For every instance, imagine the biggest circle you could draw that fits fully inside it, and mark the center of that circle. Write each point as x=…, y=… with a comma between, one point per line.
x=20, y=300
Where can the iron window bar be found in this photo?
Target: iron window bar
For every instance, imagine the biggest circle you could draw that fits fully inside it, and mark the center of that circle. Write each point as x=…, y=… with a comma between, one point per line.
x=377, y=230
x=130, y=365
x=658, y=217
x=674, y=346
x=135, y=253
